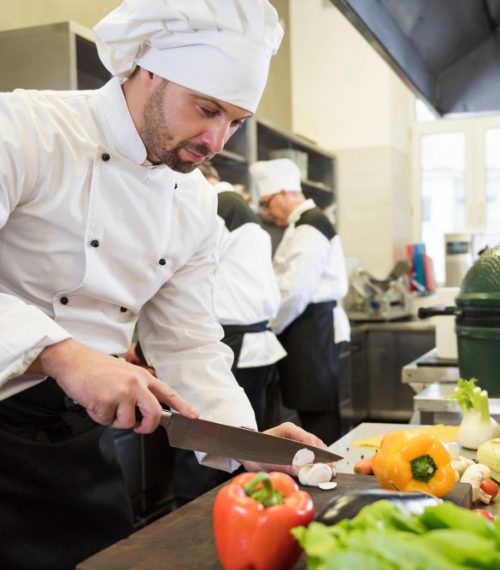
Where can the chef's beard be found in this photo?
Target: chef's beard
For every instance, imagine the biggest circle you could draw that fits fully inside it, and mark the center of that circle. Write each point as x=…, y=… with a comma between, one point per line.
x=156, y=135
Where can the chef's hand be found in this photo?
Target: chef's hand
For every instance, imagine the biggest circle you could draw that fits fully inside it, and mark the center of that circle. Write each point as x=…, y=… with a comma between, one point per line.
x=290, y=431
x=109, y=388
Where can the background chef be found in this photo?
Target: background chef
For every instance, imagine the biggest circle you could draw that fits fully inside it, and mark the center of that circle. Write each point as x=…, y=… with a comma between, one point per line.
x=310, y=269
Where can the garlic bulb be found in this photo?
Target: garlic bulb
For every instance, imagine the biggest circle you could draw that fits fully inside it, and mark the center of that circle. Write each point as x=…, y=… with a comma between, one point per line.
x=303, y=457
x=314, y=474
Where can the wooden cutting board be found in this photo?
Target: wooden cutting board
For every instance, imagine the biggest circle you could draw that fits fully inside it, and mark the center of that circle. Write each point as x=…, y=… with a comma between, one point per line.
x=184, y=539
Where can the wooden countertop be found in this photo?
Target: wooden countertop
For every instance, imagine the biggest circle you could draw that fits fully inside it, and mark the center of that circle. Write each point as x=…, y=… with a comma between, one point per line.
x=184, y=539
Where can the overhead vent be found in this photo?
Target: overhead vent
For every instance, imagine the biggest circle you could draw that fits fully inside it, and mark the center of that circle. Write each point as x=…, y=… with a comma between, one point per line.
x=447, y=51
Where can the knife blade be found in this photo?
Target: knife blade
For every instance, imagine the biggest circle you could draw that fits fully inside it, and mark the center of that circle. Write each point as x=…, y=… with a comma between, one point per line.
x=238, y=443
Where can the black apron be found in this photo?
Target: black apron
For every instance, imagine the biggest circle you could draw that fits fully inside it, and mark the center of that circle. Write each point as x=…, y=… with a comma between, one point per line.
x=309, y=372
x=233, y=337
x=62, y=493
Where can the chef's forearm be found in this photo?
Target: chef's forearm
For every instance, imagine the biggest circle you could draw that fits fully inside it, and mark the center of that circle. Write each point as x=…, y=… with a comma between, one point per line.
x=53, y=358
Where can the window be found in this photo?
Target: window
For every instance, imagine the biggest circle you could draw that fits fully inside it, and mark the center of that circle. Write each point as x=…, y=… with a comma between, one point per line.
x=457, y=181
x=492, y=206
x=442, y=192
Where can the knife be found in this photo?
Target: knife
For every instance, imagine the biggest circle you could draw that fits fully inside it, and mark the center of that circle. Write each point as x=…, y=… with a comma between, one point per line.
x=238, y=443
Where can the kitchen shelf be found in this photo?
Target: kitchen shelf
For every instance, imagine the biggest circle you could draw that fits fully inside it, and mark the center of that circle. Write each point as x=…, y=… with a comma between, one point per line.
x=63, y=56
x=53, y=56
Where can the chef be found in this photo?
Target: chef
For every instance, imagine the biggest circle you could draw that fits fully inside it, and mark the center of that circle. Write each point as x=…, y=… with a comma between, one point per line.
x=310, y=268
x=105, y=224
x=246, y=299
x=246, y=295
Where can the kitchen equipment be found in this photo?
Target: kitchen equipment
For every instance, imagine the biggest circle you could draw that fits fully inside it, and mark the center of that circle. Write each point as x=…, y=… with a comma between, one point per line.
x=477, y=321
x=446, y=338
x=239, y=443
x=462, y=250
x=458, y=257
x=371, y=299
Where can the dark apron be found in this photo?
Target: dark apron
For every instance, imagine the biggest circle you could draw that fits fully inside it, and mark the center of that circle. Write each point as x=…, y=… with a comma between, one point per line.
x=233, y=337
x=62, y=494
x=309, y=372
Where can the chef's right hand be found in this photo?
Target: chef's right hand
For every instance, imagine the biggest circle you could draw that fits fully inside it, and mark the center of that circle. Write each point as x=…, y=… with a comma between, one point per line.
x=109, y=388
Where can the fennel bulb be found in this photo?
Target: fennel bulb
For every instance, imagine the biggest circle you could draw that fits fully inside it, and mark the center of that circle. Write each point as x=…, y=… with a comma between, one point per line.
x=477, y=426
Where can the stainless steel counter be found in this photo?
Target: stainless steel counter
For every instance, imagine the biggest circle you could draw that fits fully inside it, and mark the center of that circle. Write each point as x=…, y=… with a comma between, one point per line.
x=434, y=406
x=427, y=369
x=402, y=325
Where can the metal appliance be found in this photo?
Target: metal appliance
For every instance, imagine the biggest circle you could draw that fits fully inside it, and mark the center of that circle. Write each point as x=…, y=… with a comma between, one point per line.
x=371, y=299
x=477, y=321
x=462, y=250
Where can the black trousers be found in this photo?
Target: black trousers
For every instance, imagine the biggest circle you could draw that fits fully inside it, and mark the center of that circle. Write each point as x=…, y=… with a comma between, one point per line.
x=309, y=374
x=62, y=494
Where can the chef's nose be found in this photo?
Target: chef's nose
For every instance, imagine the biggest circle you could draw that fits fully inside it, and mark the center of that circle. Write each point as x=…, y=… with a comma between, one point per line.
x=216, y=136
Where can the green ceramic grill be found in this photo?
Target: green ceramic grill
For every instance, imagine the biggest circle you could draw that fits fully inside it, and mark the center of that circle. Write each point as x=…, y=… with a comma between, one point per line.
x=477, y=322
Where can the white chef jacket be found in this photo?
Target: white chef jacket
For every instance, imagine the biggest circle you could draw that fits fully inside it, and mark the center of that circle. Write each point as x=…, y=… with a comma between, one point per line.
x=309, y=269
x=92, y=240
x=246, y=291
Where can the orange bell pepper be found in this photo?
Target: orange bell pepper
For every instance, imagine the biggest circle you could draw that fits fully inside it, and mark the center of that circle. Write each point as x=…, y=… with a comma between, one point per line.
x=413, y=461
x=253, y=516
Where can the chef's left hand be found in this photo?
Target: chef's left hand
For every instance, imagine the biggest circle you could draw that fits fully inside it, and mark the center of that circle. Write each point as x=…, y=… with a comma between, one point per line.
x=290, y=431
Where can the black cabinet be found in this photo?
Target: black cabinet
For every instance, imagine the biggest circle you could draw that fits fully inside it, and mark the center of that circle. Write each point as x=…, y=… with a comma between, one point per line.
x=352, y=381
x=370, y=372
x=387, y=352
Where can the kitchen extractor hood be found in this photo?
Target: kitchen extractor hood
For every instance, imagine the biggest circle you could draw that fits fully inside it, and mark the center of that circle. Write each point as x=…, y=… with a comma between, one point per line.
x=447, y=51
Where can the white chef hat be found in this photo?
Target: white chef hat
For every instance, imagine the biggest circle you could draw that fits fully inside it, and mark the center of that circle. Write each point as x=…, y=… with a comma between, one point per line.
x=221, y=48
x=271, y=176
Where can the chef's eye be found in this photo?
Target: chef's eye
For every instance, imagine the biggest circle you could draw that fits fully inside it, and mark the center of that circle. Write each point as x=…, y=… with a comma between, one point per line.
x=208, y=112
x=237, y=123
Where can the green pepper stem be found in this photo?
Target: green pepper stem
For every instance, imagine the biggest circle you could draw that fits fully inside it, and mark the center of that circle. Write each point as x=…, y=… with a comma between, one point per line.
x=261, y=477
x=265, y=494
x=423, y=468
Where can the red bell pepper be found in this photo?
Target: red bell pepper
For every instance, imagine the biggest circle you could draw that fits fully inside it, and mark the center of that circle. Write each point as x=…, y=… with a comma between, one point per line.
x=253, y=516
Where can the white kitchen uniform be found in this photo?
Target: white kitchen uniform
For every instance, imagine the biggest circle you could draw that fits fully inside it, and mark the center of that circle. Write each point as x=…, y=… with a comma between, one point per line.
x=93, y=240
x=246, y=291
x=309, y=269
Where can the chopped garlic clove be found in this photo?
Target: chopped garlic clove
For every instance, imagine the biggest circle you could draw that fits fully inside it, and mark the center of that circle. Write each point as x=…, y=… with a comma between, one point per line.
x=328, y=485
x=303, y=457
x=315, y=474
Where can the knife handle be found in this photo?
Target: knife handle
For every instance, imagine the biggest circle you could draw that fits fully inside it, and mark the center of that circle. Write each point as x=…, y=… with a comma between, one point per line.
x=164, y=420
x=166, y=416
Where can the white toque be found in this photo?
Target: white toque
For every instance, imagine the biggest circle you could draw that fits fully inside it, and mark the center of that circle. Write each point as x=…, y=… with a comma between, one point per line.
x=271, y=176
x=221, y=48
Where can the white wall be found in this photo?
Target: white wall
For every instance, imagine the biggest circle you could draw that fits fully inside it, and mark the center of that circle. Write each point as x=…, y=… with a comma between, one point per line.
x=347, y=99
